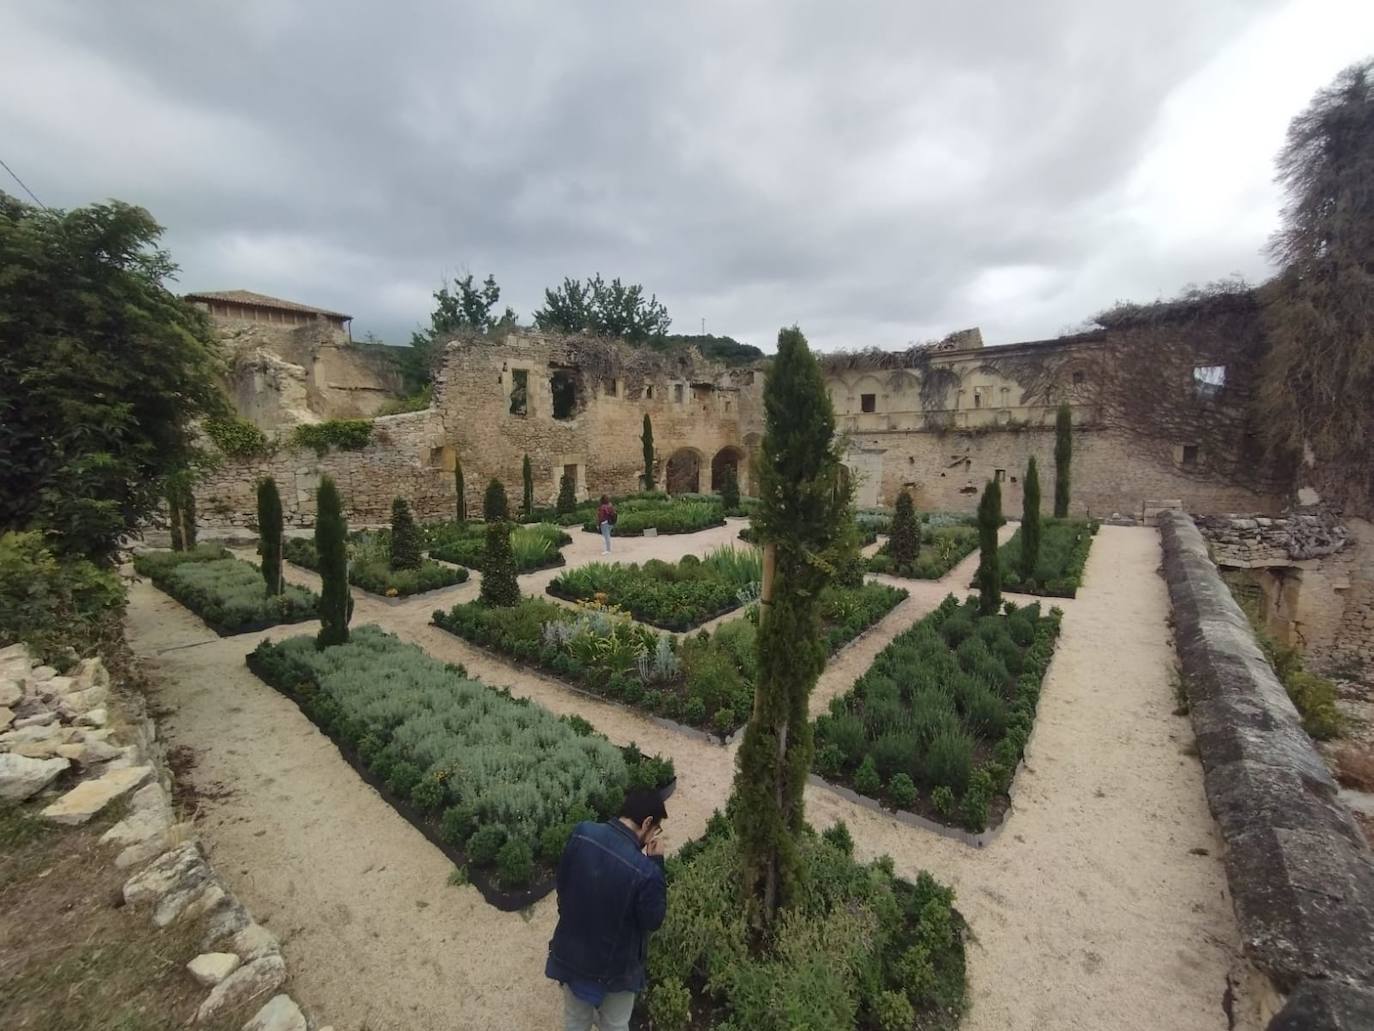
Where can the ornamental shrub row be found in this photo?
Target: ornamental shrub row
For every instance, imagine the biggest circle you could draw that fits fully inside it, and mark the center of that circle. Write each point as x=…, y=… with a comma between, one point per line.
x=534, y=546
x=941, y=550
x=369, y=566
x=498, y=777
x=938, y=723
x=667, y=517
x=227, y=593
x=1064, y=546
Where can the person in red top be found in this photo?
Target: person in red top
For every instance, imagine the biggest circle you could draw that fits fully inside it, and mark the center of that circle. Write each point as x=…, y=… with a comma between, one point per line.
x=605, y=518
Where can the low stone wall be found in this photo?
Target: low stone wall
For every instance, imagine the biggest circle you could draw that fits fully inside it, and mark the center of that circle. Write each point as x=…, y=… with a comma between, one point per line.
x=1248, y=541
x=1301, y=873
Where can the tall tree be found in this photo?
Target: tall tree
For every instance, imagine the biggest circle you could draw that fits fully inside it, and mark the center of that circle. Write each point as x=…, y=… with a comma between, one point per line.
x=270, y=534
x=729, y=489
x=567, y=495
x=1317, y=377
x=527, y=475
x=1063, y=459
x=904, y=539
x=647, y=440
x=605, y=309
x=103, y=372
x=495, y=507
x=988, y=579
x=331, y=545
x=499, y=586
x=181, y=509
x=1030, y=520
x=405, y=537
x=804, y=501
x=460, y=490
x=467, y=307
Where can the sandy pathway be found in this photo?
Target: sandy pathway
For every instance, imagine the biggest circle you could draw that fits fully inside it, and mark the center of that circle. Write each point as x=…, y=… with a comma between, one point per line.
x=1089, y=911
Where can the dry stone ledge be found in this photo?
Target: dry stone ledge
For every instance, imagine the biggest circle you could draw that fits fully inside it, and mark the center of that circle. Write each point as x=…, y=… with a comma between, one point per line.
x=1300, y=871
x=280, y=1014
x=22, y=777
x=89, y=797
x=10, y=692
x=6, y=716
x=161, y=876
x=210, y=968
x=248, y=982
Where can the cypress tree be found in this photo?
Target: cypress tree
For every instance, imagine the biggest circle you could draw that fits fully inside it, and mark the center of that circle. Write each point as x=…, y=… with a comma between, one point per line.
x=527, y=474
x=1030, y=521
x=989, y=576
x=1063, y=459
x=405, y=537
x=461, y=491
x=729, y=489
x=495, y=507
x=567, y=495
x=904, y=541
x=800, y=521
x=331, y=544
x=647, y=439
x=270, y=534
x=499, y=587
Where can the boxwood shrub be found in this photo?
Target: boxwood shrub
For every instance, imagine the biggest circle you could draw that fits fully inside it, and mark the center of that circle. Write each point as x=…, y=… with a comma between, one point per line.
x=939, y=721
x=533, y=546
x=1064, y=546
x=942, y=549
x=227, y=593
x=677, y=515
x=369, y=566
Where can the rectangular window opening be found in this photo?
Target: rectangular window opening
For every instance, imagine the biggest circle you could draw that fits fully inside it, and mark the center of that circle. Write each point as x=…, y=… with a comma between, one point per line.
x=1000, y=475
x=519, y=392
x=1209, y=380
x=977, y=399
x=1079, y=378
x=868, y=402
x=612, y=388
x=1189, y=458
x=678, y=393
x=564, y=390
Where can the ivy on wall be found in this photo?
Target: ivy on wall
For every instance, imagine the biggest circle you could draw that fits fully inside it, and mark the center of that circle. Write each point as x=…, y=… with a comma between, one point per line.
x=343, y=434
x=236, y=437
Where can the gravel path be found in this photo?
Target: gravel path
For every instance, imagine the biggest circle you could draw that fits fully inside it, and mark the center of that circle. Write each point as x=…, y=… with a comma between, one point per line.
x=1092, y=910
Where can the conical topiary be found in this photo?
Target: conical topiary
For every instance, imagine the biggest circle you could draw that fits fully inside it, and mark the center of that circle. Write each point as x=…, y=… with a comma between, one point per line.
x=495, y=507
x=270, y=534
x=988, y=579
x=405, y=537
x=904, y=539
x=499, y=586
x=331, y=546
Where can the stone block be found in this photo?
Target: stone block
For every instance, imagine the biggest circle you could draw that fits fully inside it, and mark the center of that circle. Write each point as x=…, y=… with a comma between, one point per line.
x=1318, y=1005
x=164, y=874
x=280, y=1014
x=244, y=984
x=210, y=968
x=86, y=799
x=22, y=777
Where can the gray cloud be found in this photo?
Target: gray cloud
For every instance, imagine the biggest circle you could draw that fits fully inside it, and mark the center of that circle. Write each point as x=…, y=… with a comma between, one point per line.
x=876, y=173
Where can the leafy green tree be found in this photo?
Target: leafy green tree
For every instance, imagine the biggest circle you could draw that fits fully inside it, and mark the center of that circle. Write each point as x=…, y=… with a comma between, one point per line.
x=499, y=586
x=460, y=489
x=604, y=309
x=804, y=502
x=904, y=539
x=103, y=372
x=567, y=495
x=495, y=507
x=647, y=440
x=988, y=579
x=181, y=509
x=527, y=475
x=1317, y=377
x=468, y=307
x=405, y=537
x=331, y=544
x=1063, y=459
x=1030, y=520
x=270, y=534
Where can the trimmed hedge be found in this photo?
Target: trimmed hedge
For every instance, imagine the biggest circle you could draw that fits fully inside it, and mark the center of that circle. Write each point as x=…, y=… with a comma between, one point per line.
x=945, y=709
x=534, y=546
x=1064, y=546
x=667, y=517
x=227, y=593
x=941, y=550
x=369, y=566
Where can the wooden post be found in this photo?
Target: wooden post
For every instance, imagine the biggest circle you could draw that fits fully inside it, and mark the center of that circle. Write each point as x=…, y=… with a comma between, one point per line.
x=770, y=558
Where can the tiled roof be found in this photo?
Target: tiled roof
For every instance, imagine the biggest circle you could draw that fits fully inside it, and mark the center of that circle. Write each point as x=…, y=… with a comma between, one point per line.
x=248, y=297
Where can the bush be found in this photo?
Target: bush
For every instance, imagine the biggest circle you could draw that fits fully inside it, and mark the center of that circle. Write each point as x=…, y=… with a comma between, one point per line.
x=893, y=1012
x=667, y=516
x=567, y=495
x=485, y=844
x=235, y=437
x=227, y=593
x=942, y=799
x=729, y=489
x=54, y=603
x=499, y=587
x=902, y=790
x=342, y=434
x=369, y=566
x=866, y=779
x=904, y=542
x=534, y=546
x=837, y=834
x=405, y=538
x=1062, y=554
x=495, y=507
x=331, y=545
x=670, y=1006
x=514, y=864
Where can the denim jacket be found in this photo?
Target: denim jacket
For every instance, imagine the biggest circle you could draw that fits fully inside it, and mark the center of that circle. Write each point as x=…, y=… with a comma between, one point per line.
x=611, y=897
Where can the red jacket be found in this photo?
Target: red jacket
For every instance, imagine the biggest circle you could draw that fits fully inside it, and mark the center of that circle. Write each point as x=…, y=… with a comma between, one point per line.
x=605, y=514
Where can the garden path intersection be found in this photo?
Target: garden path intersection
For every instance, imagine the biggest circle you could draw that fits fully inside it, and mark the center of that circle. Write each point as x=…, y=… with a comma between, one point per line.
x=1102, y=903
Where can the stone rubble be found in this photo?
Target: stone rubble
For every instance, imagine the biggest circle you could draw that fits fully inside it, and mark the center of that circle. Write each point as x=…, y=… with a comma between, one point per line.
x=56, y=738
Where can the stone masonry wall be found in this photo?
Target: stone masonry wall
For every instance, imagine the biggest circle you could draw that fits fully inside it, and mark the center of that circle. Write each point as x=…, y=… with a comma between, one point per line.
x=1301, y=873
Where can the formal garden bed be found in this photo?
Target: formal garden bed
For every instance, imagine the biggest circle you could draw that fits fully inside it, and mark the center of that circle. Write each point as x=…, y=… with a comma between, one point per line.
x=703, y=680
x=369, y=566
x=228, y=594
x=496, y=781
x=669, y=595
x=861, y=948
x=1064, y=546
x=533, y=545
x=938, y=723
x=664, y=516
x=942, y=548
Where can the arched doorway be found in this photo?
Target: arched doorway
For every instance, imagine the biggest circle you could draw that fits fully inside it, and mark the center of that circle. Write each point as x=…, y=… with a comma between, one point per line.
x=728, y=457
x=683, y=474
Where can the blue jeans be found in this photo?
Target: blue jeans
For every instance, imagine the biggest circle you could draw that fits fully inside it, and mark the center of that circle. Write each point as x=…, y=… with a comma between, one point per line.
x=606, y=535
x=612, y=1015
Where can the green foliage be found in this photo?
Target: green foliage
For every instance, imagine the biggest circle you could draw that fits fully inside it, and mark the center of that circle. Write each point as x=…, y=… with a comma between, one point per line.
x=527, y=481
x=893, y=1012
x=866, y=779
x=227, y=593
x=467, y=308
x=941, y=549
x=667, y=516
x=837, y=834
x=181, y=509
x=270, y=535
x=724, y=349
x=54, y=602
x=1063, y=459
x=646, y=439
x=803, y=500
x=331, y=544
x=495, y=507
x=670, y=1005
x=535, y=546
x=902, y=790
x=499, y=587
x=486, y=844
x=416, y=402
x=1062, y=554
x=515, y=864
x=729, y=489
x=343, y=434
x=235, y=436
x=103, y=374
x=904, y=541
x=989, y=576
x=567, y=495
x=460, y=492
x=603, y=309
x=369, y=566
x=1030, y=522
x=405, y=537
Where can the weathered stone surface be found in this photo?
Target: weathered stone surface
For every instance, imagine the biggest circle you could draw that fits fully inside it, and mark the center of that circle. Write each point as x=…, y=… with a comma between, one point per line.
x=254, y=942
x=89, y=751
x=141, y=852
x=39, y=674
x=150, y=796
x=280, y=1014
x=1321, y=1005
x=22, y=777
x=225, y=922
x=15, y=653
x=248, y=982
x=85, y=800
x=210, y=968
x=188, y=903
x=10, y=692
x=43, y=737
x=164, y=874
x=139, y=825
x=54, y=688
x=6, y=716
x=77, y=702
x=94, y=718
x=40, y=719
x=90, y=673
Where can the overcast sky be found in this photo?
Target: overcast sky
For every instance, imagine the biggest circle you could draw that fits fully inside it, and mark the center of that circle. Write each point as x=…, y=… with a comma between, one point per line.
x=876, y=173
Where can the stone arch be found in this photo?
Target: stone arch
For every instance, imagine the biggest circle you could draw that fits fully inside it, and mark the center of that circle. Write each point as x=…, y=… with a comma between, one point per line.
x=726, y=457
x=682, y=475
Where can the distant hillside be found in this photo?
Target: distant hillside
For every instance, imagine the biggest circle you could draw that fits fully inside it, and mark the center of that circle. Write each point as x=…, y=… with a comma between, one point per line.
x=722, y=349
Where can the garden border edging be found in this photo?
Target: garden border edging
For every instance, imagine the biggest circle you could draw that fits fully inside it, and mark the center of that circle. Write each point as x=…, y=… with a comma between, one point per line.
x=1300, y=872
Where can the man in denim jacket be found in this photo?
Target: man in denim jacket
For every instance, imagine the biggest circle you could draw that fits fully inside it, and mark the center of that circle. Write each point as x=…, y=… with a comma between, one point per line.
x=611, y=897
